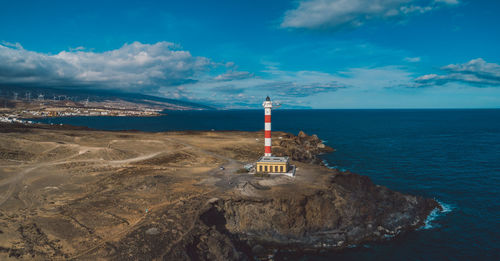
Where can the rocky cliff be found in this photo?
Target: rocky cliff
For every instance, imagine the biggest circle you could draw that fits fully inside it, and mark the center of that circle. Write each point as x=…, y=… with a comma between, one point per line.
x=351, y=210
x=347, y=209
x=303, y=148
x=77, y=194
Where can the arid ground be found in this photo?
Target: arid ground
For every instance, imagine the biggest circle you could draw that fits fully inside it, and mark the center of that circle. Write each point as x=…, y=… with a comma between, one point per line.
x=75, y=193
x=89, y=194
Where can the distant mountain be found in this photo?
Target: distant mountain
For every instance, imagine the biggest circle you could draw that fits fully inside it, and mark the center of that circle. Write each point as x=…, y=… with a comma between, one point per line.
x=95, y=96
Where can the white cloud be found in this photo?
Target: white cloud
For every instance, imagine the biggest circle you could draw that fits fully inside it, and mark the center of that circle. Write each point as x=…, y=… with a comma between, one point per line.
x=79, y=48
x=15, y=45
x=375, y=79
x=332, y=14
x=294, y=88
x=450, y=2
x=233, y=75
x=133, y=66
x=286, y=84
x=476, y=72
x=242, y=92
x=412, y=59
x=478, y=67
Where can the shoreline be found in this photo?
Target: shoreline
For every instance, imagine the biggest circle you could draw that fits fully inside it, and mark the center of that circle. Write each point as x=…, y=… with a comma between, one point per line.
x=130, y=171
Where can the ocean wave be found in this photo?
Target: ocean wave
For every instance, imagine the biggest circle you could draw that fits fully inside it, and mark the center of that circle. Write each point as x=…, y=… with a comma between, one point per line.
x=436, y=213
x=332, y=167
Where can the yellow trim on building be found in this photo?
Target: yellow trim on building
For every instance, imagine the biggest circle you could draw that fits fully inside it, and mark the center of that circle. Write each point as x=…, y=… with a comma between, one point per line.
x=274, y=167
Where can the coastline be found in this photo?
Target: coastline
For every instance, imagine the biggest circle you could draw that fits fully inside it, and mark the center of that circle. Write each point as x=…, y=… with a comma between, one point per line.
x=277, y=213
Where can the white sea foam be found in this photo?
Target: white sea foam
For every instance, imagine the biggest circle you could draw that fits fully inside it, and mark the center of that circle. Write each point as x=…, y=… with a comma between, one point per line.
x=436, y=213
x=328, y=165
x=386, y=236
x=332, y=167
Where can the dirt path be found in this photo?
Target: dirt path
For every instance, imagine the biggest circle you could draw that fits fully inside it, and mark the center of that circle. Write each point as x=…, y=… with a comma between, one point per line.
x=229, y=168
x=15, y=180
x=154, y=208
x=13, y=183
x=87, y=191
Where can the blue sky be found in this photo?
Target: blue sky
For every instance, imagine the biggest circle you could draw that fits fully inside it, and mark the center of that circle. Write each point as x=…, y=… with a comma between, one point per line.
x=306, y=54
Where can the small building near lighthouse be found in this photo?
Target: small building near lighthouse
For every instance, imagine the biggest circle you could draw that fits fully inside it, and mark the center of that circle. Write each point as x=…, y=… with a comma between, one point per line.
x=269, y=164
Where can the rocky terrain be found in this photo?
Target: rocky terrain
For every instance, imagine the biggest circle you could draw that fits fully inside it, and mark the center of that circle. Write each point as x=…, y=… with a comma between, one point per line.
x=75, y=193
x=301, y=148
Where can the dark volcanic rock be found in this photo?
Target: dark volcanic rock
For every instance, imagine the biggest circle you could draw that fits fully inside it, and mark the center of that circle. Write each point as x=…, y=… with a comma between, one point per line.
x=301, y=148
x=351, y=210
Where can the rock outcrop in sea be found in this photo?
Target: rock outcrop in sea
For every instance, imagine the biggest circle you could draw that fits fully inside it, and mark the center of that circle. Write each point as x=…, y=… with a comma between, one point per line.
x=303, y=148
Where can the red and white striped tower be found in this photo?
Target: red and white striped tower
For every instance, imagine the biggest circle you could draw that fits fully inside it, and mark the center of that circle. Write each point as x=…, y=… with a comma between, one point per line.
x=268, y=105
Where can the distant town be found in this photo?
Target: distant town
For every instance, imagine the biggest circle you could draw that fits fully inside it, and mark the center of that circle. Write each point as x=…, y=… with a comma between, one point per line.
x=15, y=109
x=17, y=105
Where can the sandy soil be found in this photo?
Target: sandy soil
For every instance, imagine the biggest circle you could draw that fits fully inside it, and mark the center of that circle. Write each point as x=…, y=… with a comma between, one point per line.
x=86, y=194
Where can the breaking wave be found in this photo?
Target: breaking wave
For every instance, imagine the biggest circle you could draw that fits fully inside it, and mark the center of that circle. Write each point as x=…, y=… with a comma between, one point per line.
x=436, y=213
x=332, y=167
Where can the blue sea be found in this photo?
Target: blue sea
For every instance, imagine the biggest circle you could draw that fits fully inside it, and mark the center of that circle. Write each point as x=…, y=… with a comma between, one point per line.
x=450, y=155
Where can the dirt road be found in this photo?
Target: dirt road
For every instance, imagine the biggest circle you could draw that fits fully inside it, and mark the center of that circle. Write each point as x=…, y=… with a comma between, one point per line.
x=80, y=190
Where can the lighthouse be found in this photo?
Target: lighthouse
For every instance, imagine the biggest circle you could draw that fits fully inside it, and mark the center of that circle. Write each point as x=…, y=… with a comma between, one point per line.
x=268, y=105
x=269, y=164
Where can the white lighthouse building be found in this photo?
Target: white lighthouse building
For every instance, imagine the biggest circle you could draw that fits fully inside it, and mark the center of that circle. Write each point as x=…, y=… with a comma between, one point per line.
x=268, y=163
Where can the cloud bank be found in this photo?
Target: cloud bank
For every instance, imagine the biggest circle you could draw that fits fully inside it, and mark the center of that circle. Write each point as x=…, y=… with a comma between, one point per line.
x=334, y=14
x=294, y=89
x=158, y=68
x=132, y=67
x=476, y=72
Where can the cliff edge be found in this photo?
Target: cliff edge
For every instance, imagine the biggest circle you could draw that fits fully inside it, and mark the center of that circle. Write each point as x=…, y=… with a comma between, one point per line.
x=345, y=210
x=81, y=194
